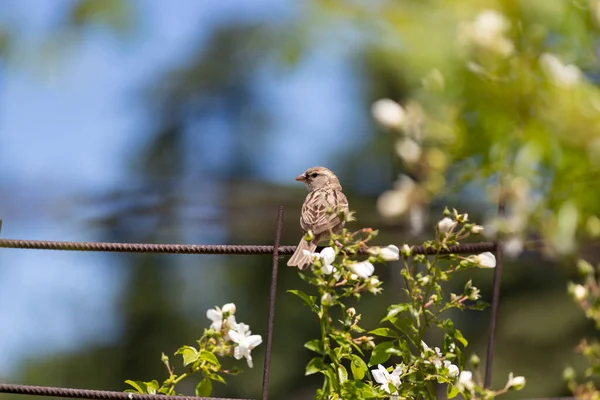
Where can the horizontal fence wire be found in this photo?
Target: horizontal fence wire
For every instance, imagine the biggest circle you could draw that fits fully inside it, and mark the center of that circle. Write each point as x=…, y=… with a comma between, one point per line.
x=88, y=394
x=110, y=395
x=233, y=249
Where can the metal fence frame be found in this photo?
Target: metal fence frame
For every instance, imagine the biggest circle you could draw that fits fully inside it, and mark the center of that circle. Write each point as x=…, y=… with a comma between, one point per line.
x=275, y=250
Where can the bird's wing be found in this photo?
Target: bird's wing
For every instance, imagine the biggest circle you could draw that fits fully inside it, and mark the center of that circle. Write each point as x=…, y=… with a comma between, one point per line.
x=316, y=210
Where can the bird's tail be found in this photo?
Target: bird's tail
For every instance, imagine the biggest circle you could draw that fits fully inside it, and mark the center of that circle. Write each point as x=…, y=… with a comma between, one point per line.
x=299, y=259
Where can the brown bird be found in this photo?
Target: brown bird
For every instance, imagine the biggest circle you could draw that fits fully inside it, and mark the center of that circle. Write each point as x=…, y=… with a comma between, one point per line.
x=320, y=211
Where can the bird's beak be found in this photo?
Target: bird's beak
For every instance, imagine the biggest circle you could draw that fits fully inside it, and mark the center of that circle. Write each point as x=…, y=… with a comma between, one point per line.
x=300, y=178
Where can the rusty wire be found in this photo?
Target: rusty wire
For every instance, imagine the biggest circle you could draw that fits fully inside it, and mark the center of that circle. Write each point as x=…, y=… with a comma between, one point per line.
x=233, y=249
x=88, y=394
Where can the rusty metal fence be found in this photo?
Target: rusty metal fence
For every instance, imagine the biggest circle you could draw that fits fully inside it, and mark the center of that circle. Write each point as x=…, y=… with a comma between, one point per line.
x=275, y=250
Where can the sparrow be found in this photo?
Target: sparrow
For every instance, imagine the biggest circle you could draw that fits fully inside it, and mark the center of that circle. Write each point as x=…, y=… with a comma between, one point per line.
x=320, y=212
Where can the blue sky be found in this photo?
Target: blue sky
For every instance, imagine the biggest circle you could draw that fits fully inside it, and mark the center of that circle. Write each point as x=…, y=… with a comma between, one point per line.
x=68, y=125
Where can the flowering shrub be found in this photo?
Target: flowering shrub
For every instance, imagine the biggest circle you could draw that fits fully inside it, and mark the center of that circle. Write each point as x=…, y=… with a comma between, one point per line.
x=224, y=337
x=345, y=352
x=587, y=297
x=391, y=360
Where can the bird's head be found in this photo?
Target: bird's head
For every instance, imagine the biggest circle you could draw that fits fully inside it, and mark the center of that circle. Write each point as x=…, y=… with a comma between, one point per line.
x=319, y=178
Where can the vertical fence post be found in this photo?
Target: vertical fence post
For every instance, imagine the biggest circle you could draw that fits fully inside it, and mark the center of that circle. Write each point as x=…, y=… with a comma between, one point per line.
x=273, y=293
x=495, y=302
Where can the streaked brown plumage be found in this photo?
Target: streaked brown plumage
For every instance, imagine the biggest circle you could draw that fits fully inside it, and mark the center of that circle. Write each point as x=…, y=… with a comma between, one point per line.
x=319, y=211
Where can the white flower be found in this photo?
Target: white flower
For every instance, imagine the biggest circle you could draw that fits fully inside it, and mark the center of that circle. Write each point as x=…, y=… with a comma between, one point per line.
x=406, y=250
x=408, y=150
x=388, y=113
x=373, y=285
x=218, y=323
x=487, y=31
x=245, y=342
x=465, y=381
x=473, y=293
x=476, y=229
x=229, y=308
x=559, y=73
x=580, y=292
x=516, y=382
x=351, y=312
x=363, y=269
x=485, y=260
x=384, y=378
x=452, y=369
x=328, y=257
x=389, y=253
x=446, y=225
x=437, y=355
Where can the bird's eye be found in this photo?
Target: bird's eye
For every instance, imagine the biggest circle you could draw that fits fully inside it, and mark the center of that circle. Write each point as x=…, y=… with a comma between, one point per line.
x=314, y=174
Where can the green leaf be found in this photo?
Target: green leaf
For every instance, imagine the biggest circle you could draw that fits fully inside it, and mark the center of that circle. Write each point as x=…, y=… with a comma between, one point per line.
x=405, y=325
x=459, y=336
x=404, y=349
x=189, y=354
x=395, y=309
x=152, y=386
x=143, y=387
x=380, y=353
x=216, y=377
x=209, y=358
x=309, y=300
x=315, y=365
x=479, y=306
x=139, y=386
x=385, y=332
x=358, y=367
x=452, y=392
x=315, y=345
x=342, y=374
x=204, y=388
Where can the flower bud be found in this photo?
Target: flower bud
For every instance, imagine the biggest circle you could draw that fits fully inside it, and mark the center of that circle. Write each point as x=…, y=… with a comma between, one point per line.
x=351, y=312
x=485, y=260
x=373, y=285
x=327, y=299
x=569, y=374
x=476, y=229
x=446, y=225
x=164, y=358
x=406, y=250
x=515, y=382
x=309, y=236
x=474, y=360
x=584, y=267
x=424, y=281
x=580, y=292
